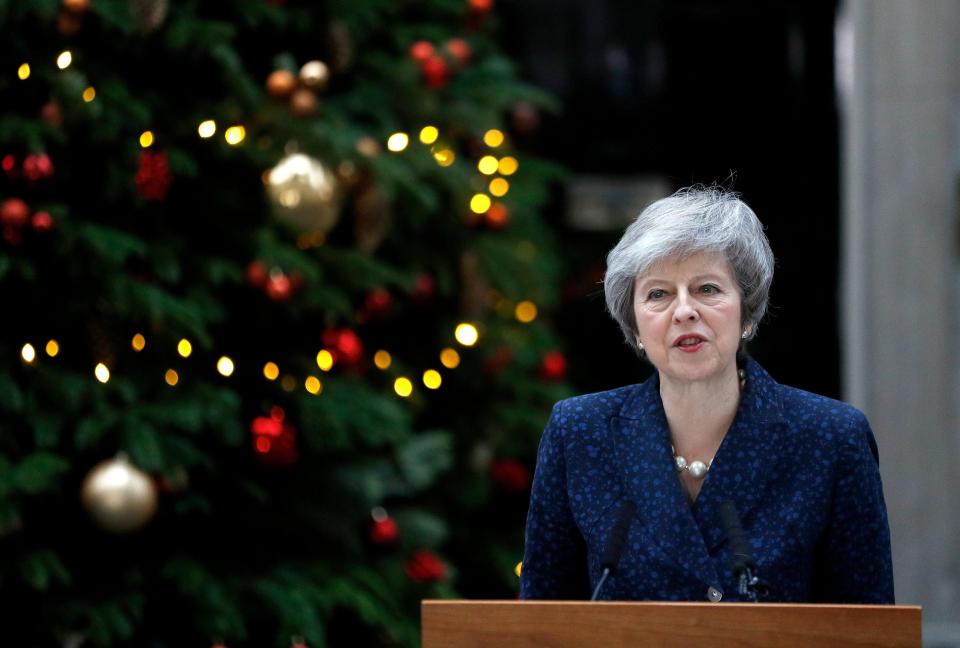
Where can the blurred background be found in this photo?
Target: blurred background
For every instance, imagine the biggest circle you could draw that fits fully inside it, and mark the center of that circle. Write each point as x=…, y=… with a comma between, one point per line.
x=292, y=286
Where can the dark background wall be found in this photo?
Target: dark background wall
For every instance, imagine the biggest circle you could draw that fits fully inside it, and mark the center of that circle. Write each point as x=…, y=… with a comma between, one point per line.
x=687, y=91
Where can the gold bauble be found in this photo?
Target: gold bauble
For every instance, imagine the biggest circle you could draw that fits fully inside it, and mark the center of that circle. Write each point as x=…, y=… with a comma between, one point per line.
x=119, y=496
x=303, y=103
x=281, y=83
x=304, y=193
x=315, y=75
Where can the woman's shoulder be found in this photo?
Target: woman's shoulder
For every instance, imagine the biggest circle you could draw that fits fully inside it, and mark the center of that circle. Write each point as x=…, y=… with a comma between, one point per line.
x=831, y=422
x=802, y=405
x=603, y=404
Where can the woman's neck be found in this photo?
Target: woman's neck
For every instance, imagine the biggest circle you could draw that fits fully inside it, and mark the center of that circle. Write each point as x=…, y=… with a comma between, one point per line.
x=700, y=413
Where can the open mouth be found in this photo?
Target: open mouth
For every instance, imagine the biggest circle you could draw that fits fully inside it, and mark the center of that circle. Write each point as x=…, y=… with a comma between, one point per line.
x=689, y=342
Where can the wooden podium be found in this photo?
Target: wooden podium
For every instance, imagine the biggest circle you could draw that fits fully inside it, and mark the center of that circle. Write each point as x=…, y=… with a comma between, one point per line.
x=577, y=624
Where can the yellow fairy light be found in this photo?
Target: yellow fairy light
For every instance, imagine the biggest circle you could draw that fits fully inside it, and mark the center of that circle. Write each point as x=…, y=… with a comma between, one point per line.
x=101, y=372
x=313, y=385
x=28, y=353
x=89, y=94
x=184, y=348
x=403, y=386
x=207, y=128
x=64, y=59
x=397, y=142
x=146, y=138
x=518, y=569
x=138, y=342
x=499, y=187
x=480, y=203
x=466, y=334
x=288, y=383
x=508, y=165
x=52, y=348
x=493, y=138
x=271, y=371
x=23, y=72
x=171, y=377
x=526, y=311
x=432, y=379
x=449, y=358
x=429, y=134
x=382, y=359
x=234, y=135
x=325, y=360
x=225, y=366
x=444, y=157
x=487, y=165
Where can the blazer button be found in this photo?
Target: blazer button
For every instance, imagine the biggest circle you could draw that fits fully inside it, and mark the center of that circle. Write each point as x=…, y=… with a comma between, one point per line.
x=714, y=595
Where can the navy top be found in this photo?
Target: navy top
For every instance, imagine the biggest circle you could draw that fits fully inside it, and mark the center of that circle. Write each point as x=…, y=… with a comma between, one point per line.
x=801, y=469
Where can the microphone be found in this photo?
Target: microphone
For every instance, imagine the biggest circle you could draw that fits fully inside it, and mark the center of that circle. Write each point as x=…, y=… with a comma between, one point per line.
x=618, y=537
x=741, y=557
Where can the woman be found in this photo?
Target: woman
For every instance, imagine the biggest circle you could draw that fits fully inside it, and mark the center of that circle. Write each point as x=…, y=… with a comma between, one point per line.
x=688, y=285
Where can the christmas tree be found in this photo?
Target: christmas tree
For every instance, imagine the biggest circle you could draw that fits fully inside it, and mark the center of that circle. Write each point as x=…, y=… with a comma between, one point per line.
x=276, y=354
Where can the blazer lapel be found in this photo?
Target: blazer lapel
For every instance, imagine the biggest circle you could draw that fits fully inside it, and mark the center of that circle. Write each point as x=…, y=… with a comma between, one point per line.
x=645, y=467
x=748, y=457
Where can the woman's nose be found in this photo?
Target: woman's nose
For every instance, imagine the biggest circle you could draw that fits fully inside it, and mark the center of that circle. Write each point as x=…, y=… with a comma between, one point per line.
x=686, y=309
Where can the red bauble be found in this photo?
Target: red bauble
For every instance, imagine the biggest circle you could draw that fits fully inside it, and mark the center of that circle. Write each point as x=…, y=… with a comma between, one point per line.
x=344, y=344
x=42, y=222
x=424, y=288
x=37, y=167
x=153, y=175
x=460, y=50
x=14, y=213
x=510, y=474
x=378, y=302
x=274, y=442
x=279, y=287
x=421, y=51
x=436, y=72
x=281, y=83
x=8, y=163
x=497, y=217
x=425, y=567
x=481, y=6
x=553, y=366
x=384, y=531
x=256, y=274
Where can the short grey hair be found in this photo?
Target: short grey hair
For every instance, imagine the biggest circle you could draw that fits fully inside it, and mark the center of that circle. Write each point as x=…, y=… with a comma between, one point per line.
x=694, y=219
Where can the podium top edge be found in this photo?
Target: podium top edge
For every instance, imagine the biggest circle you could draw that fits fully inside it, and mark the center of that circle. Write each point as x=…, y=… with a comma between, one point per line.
x=691, y=604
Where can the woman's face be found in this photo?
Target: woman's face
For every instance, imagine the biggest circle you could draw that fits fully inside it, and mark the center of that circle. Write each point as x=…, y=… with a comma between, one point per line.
x=688, y=317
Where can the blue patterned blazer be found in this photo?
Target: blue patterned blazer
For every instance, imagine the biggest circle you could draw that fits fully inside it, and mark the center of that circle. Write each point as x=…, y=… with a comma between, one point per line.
x=801, y=469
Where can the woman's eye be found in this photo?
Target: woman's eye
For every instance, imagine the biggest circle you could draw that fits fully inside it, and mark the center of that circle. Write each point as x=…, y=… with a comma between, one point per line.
x=709, y=289
x=656, y=293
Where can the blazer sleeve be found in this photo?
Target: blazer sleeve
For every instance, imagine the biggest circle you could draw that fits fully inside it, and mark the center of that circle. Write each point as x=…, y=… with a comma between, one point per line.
x=554, y=558
x=852, y=562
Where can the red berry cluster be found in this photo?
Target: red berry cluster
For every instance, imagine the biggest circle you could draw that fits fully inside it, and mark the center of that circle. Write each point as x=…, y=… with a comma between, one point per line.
x=440, y=64
x=33, y=168
x=344, y=344
x=425, y=567
x=274, y=440
x=153, y=175
x=510, y=474
x=275, y=283
x=15, y=218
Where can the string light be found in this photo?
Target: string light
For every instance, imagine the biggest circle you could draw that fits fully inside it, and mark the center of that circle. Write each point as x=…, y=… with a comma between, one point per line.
x=146, y=139
x=138, y=342
x=171, y=377
x=526, y=311
x=480, y=203
x=403, y=386
x=518, y=569
x=508, y=165
x=89, y=94
x=325, y=360
x=397, y=142
x=234, y=135
x=101, y=372
x=313, y=385
x=488, y=165
x=271, y=371
x=444, y=157
x=28, y=353
x=466, y=334
x=429, y=134
x=23, y=72
x=499, y=187
x=288, y=383
x=207, y=128
x=184, y=348
x=64, y=59
x=52, y=348
x=225, y=366
x=493, y=138
x=432, y=379
x=382, y=359
x=449, y=358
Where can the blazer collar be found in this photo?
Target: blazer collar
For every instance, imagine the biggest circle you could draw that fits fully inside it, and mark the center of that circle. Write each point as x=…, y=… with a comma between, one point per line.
x=746, y=460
